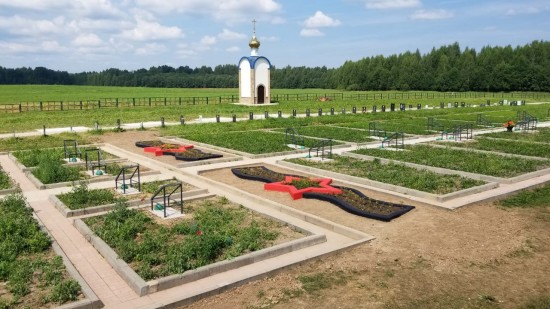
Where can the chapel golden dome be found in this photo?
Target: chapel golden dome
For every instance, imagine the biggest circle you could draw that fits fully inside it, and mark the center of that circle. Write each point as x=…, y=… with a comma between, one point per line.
x=254, y=43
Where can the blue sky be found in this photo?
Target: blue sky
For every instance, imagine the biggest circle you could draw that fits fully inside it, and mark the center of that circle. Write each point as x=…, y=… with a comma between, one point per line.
x=93, y=35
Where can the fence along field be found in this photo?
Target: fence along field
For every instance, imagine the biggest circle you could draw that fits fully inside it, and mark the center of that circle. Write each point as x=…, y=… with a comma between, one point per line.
x=130, y=102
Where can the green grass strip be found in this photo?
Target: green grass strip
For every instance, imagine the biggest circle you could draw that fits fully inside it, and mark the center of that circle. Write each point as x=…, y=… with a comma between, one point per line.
x=41, y=142
x=539, y=197
x=335, y=133
x=506, y=146
x=255, y=142
x=542, y=135
x=461, y=160
x=395, y=174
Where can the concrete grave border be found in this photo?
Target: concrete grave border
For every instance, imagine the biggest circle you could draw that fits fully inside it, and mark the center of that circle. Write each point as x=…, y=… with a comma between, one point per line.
x=141, y=287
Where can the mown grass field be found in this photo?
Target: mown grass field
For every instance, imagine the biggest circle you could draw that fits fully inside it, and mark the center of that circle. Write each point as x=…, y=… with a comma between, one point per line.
x=107, y=117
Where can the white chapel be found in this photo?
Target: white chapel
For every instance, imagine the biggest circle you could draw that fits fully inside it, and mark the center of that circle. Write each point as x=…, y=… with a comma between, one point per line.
x=254, y=75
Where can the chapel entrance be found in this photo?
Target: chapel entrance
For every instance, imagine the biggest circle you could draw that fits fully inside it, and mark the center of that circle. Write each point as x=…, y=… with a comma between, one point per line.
x=261, y=94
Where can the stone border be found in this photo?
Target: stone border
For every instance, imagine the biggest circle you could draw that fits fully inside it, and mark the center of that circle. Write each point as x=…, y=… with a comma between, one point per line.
x=37, y=183
x=389, y=187
x=141, y=287
x=208, y=161
x=91, y=301
x=8, y=191
x=68, y=213
x=255, y=156
x=441, y=170
x=504, y=154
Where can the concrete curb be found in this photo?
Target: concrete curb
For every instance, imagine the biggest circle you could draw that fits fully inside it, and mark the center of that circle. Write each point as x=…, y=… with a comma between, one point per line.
x=441, y=170
x=42, y=186
x=68, y=213
x=134, y=281
x=222, y=266
x=438, y=170
x=432, y=144
x=257, y=156
x=91, y=301
x=389, y=187
x=209, y=161
x=143, y=288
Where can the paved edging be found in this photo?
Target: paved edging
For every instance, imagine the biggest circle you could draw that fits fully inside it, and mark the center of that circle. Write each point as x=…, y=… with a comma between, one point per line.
x=68, y=213
x=143, y=288
x=38, y=184
x=389, y=187
x=441, y=170
x=91, y=301
x=256, y=156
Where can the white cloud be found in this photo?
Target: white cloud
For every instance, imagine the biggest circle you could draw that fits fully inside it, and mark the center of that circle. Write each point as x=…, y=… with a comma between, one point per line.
x=95, y=8
x=233, y=49
x=226, y=10
x=51, y=46
x=145, y=30
x=31, y=27
x=35, y=4
x=521, y=11
x=92, y=8
x=184, y=51
x=87, y=40
x=319, y=19
x=230, y=35
x=311, y=32
x=151, y=49
x=208, y=40
x=432, y=14
x=392, y=4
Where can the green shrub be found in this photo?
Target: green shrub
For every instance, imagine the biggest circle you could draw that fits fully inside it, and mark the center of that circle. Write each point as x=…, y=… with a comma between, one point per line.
x=64, y=291
x=51, y=170
x=216, y=233
x=81, y=197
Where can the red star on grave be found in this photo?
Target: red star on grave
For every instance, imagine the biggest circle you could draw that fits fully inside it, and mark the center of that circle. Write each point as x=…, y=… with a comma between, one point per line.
x=159, y=151
x=286, y=186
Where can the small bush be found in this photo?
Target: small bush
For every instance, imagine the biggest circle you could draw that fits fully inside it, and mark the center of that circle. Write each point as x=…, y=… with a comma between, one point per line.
x=64, y=291
x=51, y=170
x=81, y=197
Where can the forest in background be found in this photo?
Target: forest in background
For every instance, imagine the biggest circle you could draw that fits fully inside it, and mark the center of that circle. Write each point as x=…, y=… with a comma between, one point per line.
x=447, y=68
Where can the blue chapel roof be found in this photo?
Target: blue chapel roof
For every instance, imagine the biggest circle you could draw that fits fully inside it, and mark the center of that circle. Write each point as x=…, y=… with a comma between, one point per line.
x=252, y=60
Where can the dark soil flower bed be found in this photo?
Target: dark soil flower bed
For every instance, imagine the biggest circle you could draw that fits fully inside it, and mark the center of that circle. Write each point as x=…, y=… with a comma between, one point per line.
x=196, y=155
x=355, y=202
x=350, y=200
x=143, y=144
x=259, y=173
x=180, y=152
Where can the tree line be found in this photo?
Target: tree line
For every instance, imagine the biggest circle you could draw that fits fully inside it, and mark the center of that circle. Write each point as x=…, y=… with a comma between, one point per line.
x=447, y=68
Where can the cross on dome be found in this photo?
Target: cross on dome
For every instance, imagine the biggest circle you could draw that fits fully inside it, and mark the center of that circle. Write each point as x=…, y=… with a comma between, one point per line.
x=254, y=43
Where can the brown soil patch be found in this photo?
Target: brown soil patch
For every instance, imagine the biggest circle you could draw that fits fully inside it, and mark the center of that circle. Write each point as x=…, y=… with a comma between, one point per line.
x=480, y=256
x=127, y=140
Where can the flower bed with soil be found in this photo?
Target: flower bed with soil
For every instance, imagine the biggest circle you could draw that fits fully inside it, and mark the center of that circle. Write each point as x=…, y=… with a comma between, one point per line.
x=213, y=236
x=346, y=198
x=395, y=174
x=180, y=152
x=82, y=201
